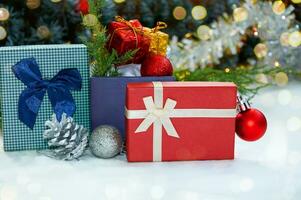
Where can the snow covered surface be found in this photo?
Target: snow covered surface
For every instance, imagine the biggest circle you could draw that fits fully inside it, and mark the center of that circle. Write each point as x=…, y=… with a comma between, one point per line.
x=267, y=169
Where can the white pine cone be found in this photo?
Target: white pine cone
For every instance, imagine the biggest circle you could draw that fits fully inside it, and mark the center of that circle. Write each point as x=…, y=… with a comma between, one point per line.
x=66, y=139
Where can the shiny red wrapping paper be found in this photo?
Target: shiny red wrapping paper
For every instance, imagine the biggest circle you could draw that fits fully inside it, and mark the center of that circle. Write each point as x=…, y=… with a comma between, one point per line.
x=199, y=138
x=127, y=36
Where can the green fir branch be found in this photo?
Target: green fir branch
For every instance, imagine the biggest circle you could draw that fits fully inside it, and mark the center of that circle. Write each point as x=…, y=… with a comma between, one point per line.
x=244, y=77
x=102, y=61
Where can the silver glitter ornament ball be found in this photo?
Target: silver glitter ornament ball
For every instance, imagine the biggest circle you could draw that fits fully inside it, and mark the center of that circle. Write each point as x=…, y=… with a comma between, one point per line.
x=105, y=142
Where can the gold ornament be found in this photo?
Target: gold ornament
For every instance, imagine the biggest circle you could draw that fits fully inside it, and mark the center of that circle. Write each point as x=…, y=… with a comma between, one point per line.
x=33, y=4
x=43, y=32
x=296, y=1
x=260, y=50
x=90, y=20
x=199, y=12
x=179, y=13
x=204, y=32
x=3, y=33
x=281, y=79
x=278, y=7
x=159, y=40
x=294, y=39
x=4, y=14
x=284, y=39
x=240, y=14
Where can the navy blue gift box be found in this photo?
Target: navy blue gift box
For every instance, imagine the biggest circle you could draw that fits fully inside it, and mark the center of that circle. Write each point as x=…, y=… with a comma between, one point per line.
x=108, y=99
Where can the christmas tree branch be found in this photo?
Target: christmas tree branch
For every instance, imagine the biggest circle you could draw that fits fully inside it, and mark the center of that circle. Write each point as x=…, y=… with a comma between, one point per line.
x=246, y=78
x=103, y=61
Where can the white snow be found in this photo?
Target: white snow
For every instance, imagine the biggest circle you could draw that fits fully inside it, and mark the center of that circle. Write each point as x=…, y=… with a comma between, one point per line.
x=267, y=169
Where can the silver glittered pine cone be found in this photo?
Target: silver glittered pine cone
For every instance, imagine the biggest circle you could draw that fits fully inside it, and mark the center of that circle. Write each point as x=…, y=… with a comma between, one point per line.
x=66, y=139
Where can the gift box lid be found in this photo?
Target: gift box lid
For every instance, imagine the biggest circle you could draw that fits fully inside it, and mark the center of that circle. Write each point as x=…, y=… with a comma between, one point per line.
x=200, y=90
x=185, y=84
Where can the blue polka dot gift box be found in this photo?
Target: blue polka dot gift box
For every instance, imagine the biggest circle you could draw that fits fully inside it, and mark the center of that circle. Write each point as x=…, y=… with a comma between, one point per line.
x=37, y=82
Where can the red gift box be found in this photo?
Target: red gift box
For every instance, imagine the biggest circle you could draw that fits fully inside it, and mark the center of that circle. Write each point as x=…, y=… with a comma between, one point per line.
x=180, y=121
x=126, y=36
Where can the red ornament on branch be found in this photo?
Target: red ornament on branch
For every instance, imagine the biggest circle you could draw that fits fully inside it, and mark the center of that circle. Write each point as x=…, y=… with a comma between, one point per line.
x=156, y=65
x=83, y=6
x=251, y=124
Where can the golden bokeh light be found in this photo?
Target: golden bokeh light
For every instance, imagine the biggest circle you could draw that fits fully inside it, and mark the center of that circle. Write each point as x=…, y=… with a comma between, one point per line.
x=296, y=1
x=4, y=14
x=119, y=1
x=199, y=12
x=43, y=32
x=278, y=7
x=179, y=13
x=261, y=78
x=33, y=4
x=3, y=33
x=260, y=50
x=294, y=39
x=276, y=64
x=284, y=39
x=281, y=79
x=240, y=14
x=204, y=32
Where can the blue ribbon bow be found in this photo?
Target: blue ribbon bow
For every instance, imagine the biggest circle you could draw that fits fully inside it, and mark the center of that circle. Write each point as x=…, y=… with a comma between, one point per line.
x=58, y=89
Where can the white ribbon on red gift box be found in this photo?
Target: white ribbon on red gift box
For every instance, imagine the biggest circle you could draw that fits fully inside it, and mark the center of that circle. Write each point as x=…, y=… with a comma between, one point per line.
x=160, y=116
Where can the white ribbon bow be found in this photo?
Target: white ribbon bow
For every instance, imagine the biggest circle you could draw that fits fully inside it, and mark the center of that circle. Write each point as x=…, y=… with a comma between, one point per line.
x=160, y=116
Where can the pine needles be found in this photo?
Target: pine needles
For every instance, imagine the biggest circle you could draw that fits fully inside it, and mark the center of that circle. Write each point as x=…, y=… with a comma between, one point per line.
x=102, y=61
x=246, y=78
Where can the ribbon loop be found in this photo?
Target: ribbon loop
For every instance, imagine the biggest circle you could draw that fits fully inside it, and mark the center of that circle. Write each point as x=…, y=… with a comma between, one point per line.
x=157, y=113
x=159, y=26
x=58, y=89
x=121, y=19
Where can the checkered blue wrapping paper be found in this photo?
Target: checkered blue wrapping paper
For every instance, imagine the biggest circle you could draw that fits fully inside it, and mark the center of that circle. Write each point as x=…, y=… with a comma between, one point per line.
x=51, y=59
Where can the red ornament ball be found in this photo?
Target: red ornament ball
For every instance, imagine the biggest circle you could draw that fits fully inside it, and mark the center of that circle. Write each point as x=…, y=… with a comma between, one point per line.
x=156, y=65
x=250, y=124
x=83, y=6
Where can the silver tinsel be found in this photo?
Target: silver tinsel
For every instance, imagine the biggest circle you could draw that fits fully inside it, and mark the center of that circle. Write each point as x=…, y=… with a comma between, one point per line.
x=105, y=142
x=66, y=139
x=226, y=33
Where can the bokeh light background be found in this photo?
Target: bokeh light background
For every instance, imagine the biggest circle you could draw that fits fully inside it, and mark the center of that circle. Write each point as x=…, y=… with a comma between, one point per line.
x=266, y=169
